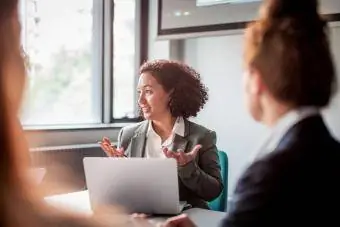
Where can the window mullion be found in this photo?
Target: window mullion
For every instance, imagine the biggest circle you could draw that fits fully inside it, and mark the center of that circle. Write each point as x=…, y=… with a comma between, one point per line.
x=97, y=60
x=107, y=60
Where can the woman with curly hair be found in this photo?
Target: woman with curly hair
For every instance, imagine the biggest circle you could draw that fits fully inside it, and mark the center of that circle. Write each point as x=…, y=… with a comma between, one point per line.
x=169, y=93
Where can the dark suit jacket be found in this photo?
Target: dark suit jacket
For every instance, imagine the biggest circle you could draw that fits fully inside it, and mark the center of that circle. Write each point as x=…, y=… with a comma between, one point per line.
x=200, y=180
x=295, y=185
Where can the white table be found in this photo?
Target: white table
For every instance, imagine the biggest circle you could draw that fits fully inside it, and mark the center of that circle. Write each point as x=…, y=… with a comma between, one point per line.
x=79, y=201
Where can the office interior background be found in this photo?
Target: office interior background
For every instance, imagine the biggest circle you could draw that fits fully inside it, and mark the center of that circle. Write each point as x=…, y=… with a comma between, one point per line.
x=83, y=69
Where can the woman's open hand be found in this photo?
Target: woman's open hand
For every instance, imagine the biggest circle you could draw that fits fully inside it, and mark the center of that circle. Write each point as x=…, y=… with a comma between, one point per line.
x=181, y=157
x=110, y=150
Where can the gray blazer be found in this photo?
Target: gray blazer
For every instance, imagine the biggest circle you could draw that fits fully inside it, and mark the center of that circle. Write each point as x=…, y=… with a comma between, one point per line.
x=200, y=180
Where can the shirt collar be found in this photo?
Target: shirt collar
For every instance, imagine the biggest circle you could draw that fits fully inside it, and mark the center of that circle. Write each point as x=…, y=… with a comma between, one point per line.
x=178, y=128
x=283, y=125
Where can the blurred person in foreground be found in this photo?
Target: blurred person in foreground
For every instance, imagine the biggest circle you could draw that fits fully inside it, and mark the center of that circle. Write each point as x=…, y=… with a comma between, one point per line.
x=289, y=79
x=20, y=202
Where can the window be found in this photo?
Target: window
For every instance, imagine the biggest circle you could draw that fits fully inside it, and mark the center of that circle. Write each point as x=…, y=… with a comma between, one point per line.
x=65, y=44
x=124, y=57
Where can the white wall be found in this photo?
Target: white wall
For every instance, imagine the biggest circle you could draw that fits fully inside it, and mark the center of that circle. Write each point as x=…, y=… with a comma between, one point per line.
x=157, y=49
x=218, y=59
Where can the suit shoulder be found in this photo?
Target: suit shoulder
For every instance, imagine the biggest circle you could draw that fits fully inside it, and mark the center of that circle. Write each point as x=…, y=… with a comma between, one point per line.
x=128, y=131
x=196, y=128
x=262, y=172
x=277, y=164
x=131, y=129
x=201, y=134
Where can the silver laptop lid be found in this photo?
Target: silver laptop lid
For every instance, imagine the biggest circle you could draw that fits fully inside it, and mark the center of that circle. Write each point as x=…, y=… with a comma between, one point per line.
x=138, y=184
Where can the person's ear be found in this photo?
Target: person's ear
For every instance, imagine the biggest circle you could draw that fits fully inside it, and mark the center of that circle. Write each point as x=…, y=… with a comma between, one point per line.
x=257, y=87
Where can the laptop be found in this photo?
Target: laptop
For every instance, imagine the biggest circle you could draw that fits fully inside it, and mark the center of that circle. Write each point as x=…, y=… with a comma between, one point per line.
x=139, y=185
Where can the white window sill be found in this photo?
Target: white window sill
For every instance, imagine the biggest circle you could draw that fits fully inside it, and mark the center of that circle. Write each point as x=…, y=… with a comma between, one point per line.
x=75, y=127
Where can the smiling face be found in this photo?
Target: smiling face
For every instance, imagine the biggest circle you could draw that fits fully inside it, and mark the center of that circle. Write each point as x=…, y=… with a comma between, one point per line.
x=153, y=99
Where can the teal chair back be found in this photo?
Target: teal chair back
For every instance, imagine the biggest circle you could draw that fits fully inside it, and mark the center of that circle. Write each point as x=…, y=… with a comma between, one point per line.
x=220, y=203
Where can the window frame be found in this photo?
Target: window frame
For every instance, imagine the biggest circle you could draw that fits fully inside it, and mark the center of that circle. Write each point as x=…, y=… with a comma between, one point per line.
x=103, y=24
x=141, y=40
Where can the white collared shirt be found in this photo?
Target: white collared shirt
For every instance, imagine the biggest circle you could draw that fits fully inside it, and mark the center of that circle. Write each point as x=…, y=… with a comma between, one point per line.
x=154, y=146
x=282, y=126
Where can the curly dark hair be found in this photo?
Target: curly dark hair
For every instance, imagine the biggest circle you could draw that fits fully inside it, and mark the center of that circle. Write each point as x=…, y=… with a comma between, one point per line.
x=188, y=94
